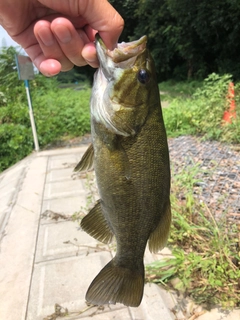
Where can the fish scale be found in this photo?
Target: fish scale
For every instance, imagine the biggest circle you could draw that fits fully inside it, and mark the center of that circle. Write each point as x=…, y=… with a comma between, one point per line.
x=131, y=161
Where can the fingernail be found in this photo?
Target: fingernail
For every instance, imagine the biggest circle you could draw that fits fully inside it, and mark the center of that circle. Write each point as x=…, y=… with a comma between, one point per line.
x=63, y=34
x=46, y=36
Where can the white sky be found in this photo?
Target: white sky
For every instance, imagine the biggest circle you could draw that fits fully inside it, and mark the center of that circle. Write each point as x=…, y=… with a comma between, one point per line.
x=9, y=41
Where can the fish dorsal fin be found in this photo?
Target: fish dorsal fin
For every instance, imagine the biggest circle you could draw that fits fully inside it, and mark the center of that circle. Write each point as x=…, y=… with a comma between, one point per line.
x=95, y=224
x=86, y=163
x=159, y=236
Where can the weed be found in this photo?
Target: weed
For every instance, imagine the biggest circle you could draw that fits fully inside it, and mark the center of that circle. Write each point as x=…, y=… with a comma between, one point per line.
x=205, y=258
x=92, y=194
x=172, y=89
x=201, y=112
x=58, y=112
x=61, y=312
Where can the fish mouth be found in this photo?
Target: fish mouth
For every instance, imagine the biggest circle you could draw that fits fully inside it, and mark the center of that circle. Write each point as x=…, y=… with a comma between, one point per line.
x=123, y=56
x=113, y=65
x=124, y=50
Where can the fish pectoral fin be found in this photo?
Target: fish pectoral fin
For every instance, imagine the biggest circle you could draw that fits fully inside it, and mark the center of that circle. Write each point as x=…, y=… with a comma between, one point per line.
x=95, y=224
x=117, y=284
x=86, y=163
x=159, y=236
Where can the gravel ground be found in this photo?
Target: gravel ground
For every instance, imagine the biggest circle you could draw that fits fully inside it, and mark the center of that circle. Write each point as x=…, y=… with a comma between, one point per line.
x=218, y=176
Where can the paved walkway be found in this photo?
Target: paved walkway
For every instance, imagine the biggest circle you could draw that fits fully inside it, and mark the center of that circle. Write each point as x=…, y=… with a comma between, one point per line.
x=46, y=262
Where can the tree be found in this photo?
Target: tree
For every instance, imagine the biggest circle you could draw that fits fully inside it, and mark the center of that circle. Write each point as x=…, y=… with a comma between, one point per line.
x=127, y=9
x=9, y=84
x=191, y=38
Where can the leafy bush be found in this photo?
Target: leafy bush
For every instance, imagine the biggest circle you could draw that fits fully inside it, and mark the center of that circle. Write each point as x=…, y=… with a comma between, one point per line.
x=57, y=113
x=174, y=89
x=202, y=113
x=16, y=143
x=64, y=112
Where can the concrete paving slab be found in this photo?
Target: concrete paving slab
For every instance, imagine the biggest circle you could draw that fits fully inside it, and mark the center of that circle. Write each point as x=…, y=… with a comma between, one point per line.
x=67, y=206
x=39, y=270
x=193, y=311
x=63, y=161
x=60, y=190
x=62, y=174
x=4, y=215
x=94, y=312
x=64, y=239
x=152, y=307
x=63, y=151
x=216, y=314
x=10, y=183
x=18, y=245
x=13, y=175
x=108, y=313
x=63, y=281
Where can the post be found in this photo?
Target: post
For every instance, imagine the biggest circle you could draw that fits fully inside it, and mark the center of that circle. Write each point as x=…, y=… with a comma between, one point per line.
x=230, y=114
x=34, y=131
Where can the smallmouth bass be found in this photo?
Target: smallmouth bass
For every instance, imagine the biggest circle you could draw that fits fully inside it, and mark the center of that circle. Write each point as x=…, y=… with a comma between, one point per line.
x=131, y=161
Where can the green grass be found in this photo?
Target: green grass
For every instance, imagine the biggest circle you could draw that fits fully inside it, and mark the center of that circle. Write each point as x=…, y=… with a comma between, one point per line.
x=205, y=259
x=198, y=110
x=58, y=113
x=182, y=89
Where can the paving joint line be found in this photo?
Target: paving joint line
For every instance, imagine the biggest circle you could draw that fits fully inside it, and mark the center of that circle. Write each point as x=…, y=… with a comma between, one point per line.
x=36, y=242
x=12, y=203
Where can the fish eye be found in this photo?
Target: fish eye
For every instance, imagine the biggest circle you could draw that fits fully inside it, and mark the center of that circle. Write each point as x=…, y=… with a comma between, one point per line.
x=143, y=76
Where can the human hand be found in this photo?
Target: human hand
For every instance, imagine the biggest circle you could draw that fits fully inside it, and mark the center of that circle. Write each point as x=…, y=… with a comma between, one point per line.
x=58, y=34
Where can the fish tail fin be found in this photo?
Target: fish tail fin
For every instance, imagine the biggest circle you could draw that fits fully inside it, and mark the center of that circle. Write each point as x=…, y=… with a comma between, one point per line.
x=115, y=283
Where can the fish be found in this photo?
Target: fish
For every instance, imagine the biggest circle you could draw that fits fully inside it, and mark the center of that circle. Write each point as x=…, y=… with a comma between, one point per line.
x=130, y=156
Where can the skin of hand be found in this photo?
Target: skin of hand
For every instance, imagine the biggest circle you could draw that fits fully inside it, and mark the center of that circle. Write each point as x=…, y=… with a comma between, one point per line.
x=58, y=34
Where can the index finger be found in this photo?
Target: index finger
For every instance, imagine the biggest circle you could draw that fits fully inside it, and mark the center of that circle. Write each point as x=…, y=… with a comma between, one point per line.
x=99, y=14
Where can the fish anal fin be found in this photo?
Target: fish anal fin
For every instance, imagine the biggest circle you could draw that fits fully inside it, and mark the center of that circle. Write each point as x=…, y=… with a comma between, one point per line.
x=95, y=224
x=117, y=284
x=159, y=236
x=86, y=163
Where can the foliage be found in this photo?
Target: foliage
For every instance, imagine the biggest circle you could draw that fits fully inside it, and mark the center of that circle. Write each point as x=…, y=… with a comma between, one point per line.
x=188, y=39
x=16, y=143
x=202, y=113
x=204, y=257
x=72, y=76
x=65, y=112
x=9, y=92
x=172, y=89
x=58, y=112
x=126, y=8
